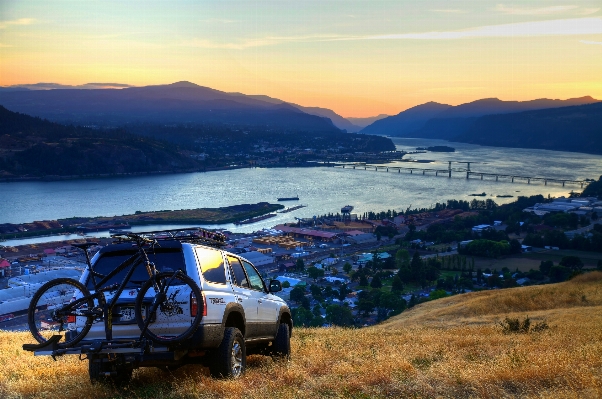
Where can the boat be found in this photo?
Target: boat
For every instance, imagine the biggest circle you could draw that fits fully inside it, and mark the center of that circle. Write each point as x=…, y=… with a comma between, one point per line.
x=289, y=198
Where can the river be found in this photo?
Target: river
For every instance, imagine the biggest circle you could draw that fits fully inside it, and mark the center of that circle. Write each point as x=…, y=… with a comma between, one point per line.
x=323, y=190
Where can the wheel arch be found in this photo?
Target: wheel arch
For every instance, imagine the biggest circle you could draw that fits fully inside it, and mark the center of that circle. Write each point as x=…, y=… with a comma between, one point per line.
x=234, y=316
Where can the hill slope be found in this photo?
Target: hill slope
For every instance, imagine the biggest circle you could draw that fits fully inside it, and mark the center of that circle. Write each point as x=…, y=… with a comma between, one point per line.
x=577, y=128
x=448, y=348
x=406, y=122
x=181, y=102
x=34, y=147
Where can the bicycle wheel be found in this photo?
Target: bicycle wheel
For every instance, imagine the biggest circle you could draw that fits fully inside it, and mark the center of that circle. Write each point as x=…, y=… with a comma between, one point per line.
x=52, y=311
x=174, y=312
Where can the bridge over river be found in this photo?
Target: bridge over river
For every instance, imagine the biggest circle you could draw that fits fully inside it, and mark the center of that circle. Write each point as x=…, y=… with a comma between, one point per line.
x=465, y=172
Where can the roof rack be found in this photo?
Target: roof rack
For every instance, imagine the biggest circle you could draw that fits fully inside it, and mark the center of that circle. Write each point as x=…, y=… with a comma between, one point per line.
x=195, y=235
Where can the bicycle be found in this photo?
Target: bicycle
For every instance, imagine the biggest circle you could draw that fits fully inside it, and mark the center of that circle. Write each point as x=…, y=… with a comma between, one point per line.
x=63, y=310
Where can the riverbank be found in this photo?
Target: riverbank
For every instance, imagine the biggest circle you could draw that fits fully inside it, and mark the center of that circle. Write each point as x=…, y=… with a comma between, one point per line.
x=223, y=215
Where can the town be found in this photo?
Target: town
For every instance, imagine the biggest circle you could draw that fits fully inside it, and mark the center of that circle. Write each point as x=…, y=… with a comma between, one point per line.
x=357, y=270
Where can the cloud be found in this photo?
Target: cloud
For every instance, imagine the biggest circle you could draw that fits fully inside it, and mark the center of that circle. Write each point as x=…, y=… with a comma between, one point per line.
x=217, y=20
x=587, y=11
x=559, y=27
x=258, y=42
x=21, y=21
x=534, y=11
x=590, y=42
x=454, y=11
x=4, y=45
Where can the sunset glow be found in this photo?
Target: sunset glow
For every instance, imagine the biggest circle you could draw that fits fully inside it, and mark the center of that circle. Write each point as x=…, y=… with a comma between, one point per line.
x=359, y=58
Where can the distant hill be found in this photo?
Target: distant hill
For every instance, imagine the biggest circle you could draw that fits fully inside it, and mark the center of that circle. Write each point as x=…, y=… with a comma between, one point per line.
x=407, y=122
x=37, y=148
x=456, y=120
x=577, y=128
x=337, y=120
x=436, y=121
x=363, y=122
x=181, y=102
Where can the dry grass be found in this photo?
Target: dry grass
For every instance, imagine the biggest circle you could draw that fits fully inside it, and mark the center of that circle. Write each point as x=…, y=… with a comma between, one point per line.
x=446, y=348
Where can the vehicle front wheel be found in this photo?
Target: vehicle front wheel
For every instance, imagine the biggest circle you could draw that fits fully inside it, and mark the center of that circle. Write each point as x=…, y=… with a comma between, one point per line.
x=230, y=358
x=282, y=344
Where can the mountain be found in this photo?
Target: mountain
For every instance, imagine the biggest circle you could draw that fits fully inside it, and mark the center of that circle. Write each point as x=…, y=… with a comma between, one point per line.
x=363, y=122
x=456, y=120
x=439, y=121
x=337, y=120
x=577, y=128
x=51, y=86
x=406, y=122
x=177, y=103
x=32, y=147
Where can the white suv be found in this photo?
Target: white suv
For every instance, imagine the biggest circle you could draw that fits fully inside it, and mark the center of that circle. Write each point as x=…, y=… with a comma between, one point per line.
x=240, y=313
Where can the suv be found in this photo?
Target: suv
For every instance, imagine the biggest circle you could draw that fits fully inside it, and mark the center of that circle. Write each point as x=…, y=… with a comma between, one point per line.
x=240, y=313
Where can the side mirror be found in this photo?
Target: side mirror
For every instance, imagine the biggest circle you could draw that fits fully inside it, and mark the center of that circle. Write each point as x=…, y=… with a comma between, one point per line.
x=275, y=286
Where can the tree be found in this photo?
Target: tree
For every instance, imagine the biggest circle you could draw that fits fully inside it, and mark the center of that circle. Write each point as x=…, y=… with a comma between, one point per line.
x=397, y=285
x=559, y=274
x=365, y=306
x=302, y=317
x=339, y=315
x=315, y=273
x=376, y=283
x=572, y=262
x=363, y=280
x=416, y=267
x=286, y=284
x=334, y=271
x=402, y=258
x=300, y=266
x=297, y=294
x=437, y=294
x=347, y=267
x=343, y=291
x=545, y=266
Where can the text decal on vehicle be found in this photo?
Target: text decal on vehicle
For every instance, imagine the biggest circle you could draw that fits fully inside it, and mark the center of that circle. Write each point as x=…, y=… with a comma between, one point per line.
x=217, y=301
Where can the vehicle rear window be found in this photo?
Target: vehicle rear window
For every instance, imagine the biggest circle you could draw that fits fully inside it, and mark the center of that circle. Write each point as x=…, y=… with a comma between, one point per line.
x=165, y=260
x=212, y=265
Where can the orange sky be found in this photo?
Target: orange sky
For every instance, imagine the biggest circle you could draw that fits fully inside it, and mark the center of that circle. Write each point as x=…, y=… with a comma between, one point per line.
x=359, y=58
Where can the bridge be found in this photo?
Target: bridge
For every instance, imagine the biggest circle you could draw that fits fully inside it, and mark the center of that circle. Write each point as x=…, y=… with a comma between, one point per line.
x=464, y=171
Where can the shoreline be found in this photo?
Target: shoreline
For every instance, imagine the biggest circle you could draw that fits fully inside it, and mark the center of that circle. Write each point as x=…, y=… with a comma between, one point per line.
x=198, y=216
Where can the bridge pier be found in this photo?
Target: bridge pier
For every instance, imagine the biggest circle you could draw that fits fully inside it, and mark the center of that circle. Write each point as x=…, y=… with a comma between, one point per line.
x=449, y=174
x=411, y=171
x=467, y=173
x=528, y=181
x=436, y=173
x=581, y=184
x=423, y=171
x=481, y=176
x=512, y=179
x=545, y=182
x=496, y=177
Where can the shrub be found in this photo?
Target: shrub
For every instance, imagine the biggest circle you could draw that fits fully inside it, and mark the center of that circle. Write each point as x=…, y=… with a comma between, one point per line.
x=516, y=326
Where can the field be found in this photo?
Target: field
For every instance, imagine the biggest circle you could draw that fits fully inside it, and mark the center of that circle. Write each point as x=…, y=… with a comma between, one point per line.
x=526, y=261
x=452, y=347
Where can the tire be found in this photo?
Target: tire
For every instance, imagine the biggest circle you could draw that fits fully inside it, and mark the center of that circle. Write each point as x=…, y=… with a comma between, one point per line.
x=109, y=373
x=169, y=323
x=281, y=347
x=57, y=295
x=230, y=358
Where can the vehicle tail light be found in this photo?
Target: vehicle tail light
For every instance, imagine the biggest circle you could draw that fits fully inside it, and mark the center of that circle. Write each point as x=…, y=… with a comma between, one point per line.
x=71, y=319
x=194, y=305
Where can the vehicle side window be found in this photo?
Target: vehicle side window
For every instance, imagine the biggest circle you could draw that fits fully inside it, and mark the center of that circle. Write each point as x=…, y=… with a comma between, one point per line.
x=212, y=265
x=254, y=277
x=240, y=278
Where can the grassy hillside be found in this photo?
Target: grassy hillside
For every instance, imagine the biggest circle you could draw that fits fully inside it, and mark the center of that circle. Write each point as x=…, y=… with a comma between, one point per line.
x=446, y=348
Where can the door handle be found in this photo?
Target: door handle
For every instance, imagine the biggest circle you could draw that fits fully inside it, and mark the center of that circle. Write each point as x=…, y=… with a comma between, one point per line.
x=260, y=301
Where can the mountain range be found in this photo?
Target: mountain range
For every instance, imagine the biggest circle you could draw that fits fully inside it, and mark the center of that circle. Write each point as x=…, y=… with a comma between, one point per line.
x=441, y=121
x=185, y=103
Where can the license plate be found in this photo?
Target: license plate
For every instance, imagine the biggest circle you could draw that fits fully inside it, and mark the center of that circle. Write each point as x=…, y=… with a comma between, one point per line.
x=128, y=314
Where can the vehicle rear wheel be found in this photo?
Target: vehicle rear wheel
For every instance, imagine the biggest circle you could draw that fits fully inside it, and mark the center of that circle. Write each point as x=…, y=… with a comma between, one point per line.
x=282, y=344
x=109, y=373
x=52, y=312
x=168, y=322
x=230, y=358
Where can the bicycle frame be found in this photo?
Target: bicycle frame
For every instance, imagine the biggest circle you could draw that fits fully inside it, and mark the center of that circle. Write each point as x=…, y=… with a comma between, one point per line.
x=107, y=309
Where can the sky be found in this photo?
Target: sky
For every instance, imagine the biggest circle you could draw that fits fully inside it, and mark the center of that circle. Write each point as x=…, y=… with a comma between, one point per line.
x=358, y=58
